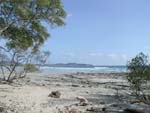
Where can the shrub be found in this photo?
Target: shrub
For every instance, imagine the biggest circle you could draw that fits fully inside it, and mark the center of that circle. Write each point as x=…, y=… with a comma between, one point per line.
x=139, y=76
x=30, y=68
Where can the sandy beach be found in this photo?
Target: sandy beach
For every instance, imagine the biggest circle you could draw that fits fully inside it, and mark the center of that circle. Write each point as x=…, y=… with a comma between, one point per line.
x=74, y=56
x=30, y=94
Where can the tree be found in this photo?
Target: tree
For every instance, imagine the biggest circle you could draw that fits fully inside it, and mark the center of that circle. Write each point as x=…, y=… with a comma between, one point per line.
x=22, y=29
x=21, y=21
x=18, y=63
x=139, y=77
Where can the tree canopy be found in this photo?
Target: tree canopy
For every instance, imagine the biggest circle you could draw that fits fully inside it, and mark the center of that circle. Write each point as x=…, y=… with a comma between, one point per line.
x=21, y=21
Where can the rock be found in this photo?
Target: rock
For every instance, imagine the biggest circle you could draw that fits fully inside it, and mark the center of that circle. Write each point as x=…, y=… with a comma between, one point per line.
x=55, y=94
x=4, y=82
x=1, y=109
x=58, y=84
x=28, y=80
x=72, y=110
x=74, y=85
x=114, y=105
x=146, y=110
x=136, y=109
x=43, y=84
x=102, y=102
x=97, y=109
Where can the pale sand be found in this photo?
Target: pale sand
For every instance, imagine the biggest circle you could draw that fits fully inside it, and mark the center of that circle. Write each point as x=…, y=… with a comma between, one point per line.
x=30, y=95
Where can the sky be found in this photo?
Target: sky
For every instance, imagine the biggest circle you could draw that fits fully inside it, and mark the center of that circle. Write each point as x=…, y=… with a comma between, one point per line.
x=101, y=32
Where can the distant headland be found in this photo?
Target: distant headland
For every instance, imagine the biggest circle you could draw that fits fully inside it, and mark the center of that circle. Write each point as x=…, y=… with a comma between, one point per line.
x=71, y=65
x=81, y=65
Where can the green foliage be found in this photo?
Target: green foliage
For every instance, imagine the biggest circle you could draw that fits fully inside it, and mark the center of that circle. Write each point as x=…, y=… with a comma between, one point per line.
x=12, y=60
x=139, y=74
x=21, y=21
x=30, y=68
x=22, y=28
x=41, y=57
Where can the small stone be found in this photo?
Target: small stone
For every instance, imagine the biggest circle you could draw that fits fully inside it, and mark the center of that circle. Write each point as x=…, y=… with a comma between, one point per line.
x=1, y=109
x=102, y=102
x=55, y=94
x=74, y=85
x=96, y=109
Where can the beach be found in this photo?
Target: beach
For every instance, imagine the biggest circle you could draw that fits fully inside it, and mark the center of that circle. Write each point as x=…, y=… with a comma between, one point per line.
x=108, y=91
x=74, y=56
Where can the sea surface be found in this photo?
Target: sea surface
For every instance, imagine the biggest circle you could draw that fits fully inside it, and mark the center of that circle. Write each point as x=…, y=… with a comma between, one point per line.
x=101, y=69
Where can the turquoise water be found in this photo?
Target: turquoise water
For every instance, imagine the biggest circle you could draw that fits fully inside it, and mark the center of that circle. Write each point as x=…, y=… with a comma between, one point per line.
x=104, y=69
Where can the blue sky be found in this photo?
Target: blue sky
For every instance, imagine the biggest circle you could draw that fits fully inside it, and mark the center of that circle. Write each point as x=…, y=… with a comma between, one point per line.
x=102, y=32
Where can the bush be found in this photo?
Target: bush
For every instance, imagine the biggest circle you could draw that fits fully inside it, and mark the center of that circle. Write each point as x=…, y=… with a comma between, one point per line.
x=139, y=76
x=30, y=68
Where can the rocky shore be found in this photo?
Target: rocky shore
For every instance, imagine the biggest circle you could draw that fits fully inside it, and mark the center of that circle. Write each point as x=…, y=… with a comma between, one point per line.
x=65, y=93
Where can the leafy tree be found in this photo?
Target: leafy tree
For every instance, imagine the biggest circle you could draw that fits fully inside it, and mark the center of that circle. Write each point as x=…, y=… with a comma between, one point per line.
x=21, y=21
x=21, y=26
x=139, y=77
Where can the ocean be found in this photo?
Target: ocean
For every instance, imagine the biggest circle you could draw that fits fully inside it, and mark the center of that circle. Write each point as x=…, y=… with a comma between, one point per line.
x=99, y=69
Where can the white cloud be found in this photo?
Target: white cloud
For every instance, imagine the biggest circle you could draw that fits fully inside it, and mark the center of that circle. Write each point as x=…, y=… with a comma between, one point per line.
x=113, y=56
x=124, y=56
x=95, y=54
x=147, y=48
x=69, y=15
x=108, y=58
x=118, y=56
